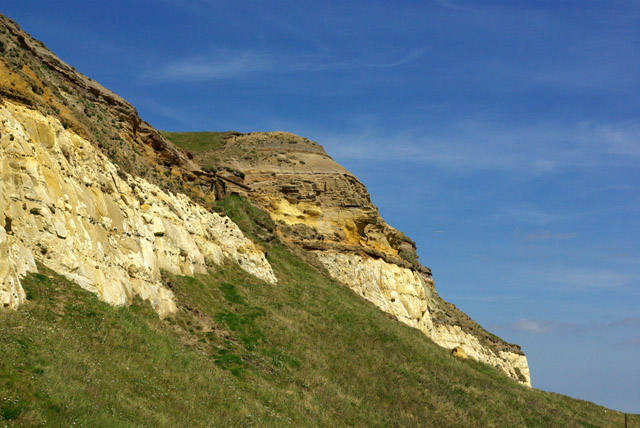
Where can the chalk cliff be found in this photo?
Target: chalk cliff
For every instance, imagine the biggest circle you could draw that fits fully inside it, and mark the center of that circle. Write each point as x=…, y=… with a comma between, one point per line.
x=94, y=192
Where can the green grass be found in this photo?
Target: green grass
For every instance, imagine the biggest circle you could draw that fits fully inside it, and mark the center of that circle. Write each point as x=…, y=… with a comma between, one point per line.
x=203, y=144
x=254, y=222
x=198, y=141
x=306, y=352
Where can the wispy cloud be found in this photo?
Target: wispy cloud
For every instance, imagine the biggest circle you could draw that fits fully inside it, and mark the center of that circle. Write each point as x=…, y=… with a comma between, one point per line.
x=499, y=298
x=475, y=144
x=618, y=140
x=574, y=75
x=527, y=213
x=546, y=326
x=588, y=279
x=630, y=322
x=548, y=235
x=410, y=57
x=626, y=258
x=592, y=279
x=232, y=64
x=630, y=341
x=175, y=114
x=217, y=65
x=539, y=326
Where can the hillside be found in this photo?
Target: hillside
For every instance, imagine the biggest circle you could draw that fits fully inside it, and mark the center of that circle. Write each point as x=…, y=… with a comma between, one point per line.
x=325, y=211
x=242, y=352
x=100, y=196
x=242, y=280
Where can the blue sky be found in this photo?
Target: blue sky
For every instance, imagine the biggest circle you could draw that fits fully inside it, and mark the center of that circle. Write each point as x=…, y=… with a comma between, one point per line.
x=513, y=127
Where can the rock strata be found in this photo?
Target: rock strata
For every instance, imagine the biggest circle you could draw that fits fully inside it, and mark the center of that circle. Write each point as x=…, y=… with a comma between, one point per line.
x=512, y=363
x=112, y=229
x=33, y=76
x=319, y=206
x=66, y=205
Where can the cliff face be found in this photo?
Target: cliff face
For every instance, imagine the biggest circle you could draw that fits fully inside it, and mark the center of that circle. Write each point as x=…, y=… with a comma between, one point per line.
x=92, y=191
x=66, y=203
x=319, y=206
x=318, y=203
x=33, y=76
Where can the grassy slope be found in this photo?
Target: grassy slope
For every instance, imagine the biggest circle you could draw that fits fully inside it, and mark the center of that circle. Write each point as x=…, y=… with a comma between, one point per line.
x=202, y=144
x=241, y=352
x=198, y=141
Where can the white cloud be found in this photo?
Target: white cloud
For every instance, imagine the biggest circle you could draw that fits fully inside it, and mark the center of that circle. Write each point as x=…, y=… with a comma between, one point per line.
x=593, y=279
x=232, y=64
x=619, y=140
x=411, y=56
x=164, y=110
x=530, y=215
x=581, y=280
x=474, y=144
x=217, y=65
x=546, y=326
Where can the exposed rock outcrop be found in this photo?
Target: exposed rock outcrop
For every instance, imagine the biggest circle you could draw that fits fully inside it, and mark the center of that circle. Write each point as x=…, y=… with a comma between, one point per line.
x=509, y=360
x=402, y=292
x=94, y=192
x=318, y=203
x=65, y=204
x=33, y=76
x=459, y=353
x=319, y=206
x=398, y=291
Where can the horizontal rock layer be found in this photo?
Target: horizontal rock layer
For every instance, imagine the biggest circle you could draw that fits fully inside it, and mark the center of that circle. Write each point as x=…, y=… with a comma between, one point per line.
x=318, y=205
x=63, y=203
x=317, y=202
